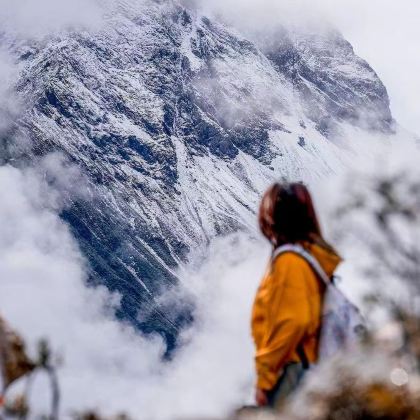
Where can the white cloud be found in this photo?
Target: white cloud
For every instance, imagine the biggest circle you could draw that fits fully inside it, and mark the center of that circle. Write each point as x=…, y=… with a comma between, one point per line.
x=384, y=32
x=108, y=365
x=37, y=18
x=43, y=294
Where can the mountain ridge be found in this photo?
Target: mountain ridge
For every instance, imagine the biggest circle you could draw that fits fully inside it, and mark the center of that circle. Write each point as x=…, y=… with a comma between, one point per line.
x=179, y=124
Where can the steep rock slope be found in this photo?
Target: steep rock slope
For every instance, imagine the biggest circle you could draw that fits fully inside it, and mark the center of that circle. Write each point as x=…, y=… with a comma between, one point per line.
x=179, y=123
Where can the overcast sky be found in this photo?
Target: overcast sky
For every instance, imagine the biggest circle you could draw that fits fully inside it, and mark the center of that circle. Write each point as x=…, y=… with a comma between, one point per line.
x=387, y=34
x=384, y=32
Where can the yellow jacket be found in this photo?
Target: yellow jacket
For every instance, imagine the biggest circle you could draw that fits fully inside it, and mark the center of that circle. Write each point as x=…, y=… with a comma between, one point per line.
x=287, y=311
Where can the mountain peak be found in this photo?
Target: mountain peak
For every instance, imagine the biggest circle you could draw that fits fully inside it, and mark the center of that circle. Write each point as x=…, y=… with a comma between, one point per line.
x=179, y=123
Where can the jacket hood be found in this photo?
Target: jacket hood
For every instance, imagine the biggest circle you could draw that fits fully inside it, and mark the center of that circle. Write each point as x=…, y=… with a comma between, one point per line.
x=326, y=255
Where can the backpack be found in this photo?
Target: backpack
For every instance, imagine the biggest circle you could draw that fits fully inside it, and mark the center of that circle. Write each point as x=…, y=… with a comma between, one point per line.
x=342, y=324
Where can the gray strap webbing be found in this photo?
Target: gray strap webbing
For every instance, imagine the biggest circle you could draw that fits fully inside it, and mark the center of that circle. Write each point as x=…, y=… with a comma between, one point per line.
x=312, y=261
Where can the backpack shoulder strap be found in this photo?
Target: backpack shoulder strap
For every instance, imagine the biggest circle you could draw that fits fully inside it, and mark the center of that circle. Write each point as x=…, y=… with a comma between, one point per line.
x=311, y=260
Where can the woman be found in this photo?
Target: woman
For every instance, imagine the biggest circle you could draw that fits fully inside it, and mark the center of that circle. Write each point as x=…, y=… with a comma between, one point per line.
x=287, y=310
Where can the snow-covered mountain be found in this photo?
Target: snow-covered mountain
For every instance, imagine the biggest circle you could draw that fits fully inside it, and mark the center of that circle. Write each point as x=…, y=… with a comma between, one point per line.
x=179, y=123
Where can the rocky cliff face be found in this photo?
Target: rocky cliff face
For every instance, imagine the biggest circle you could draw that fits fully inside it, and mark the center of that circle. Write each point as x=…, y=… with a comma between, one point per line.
x=179, y=123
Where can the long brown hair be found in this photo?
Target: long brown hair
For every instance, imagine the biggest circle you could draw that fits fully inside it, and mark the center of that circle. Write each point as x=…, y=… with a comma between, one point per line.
x=287, y=215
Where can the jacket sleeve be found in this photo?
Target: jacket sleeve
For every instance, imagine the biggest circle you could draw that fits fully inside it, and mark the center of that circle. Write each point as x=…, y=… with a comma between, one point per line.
x=287, y=315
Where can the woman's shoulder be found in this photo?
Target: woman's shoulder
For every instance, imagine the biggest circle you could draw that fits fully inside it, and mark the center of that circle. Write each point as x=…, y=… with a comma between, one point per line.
x=294, y=271
x=290, y=266
x=289, y=260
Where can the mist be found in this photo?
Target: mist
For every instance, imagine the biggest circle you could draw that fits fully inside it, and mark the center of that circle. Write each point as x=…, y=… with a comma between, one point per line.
x=40, y=18
x=106, y=365
x=383, y=32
